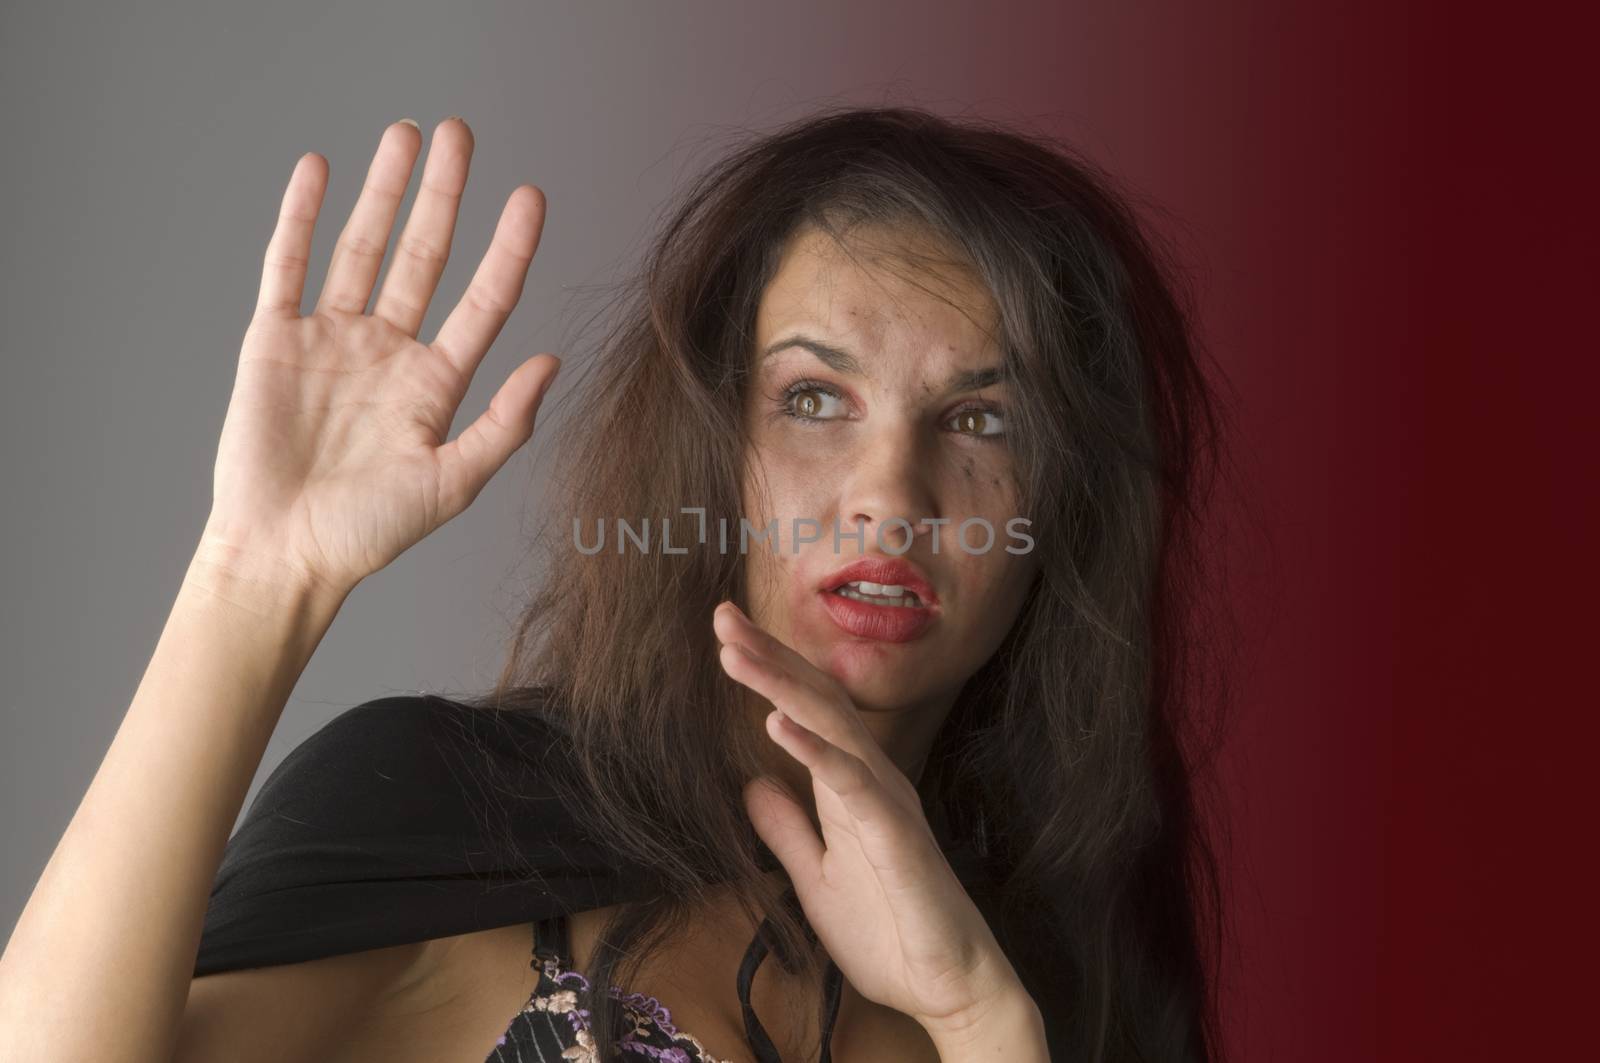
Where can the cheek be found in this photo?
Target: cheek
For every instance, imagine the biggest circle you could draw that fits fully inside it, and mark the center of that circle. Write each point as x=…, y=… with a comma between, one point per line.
x=995, y=577
x=784, y=485
x=979, y=485
x=776, y=493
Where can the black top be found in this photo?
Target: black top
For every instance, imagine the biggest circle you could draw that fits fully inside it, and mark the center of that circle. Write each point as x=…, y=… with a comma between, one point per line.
x=378, y=830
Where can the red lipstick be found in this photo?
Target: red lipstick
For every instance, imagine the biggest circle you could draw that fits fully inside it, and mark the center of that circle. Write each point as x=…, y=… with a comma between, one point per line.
x=885, y=623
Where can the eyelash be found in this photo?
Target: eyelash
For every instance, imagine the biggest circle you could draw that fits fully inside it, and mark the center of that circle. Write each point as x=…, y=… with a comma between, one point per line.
x=787, y=396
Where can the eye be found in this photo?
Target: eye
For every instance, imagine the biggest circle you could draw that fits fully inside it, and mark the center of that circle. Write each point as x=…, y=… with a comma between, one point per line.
x=978, y=421
x=807, y=400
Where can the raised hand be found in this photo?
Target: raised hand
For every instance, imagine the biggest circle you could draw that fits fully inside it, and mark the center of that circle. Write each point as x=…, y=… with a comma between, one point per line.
x=875, y=886
x=333, y=458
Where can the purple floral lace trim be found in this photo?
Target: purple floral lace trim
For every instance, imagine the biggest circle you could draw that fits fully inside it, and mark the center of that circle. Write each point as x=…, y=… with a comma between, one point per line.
x=646, y=1011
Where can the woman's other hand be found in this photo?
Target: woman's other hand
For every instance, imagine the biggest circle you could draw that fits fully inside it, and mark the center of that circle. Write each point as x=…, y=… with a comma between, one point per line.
x=333, y=459
x=875, y=885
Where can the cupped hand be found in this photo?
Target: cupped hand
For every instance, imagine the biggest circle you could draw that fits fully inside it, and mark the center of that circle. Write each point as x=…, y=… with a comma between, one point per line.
x=875, y=885
x=333, y=458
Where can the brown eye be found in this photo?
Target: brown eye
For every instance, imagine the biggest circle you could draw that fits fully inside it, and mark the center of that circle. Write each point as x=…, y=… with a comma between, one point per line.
x=978, y=422
x=809, y=402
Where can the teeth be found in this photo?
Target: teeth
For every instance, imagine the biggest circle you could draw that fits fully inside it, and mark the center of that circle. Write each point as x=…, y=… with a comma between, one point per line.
x=879, y=594
x=888, y=590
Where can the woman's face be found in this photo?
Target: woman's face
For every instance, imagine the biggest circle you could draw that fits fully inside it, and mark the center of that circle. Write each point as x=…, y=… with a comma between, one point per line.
x=904, y=423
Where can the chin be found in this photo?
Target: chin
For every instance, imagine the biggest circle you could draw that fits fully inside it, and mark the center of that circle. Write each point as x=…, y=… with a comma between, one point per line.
x=877, y=681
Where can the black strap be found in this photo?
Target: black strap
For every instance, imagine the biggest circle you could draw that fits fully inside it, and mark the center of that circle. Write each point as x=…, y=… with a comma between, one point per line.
x=832, y=988
x=753, y=1030
x=550, y=941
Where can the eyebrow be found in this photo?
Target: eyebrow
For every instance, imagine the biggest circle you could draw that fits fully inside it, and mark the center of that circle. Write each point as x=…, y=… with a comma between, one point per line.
x=843, y=361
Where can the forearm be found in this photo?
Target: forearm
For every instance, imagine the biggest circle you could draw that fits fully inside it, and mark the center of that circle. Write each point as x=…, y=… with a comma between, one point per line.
x=1012, y=1029
x=100, y=961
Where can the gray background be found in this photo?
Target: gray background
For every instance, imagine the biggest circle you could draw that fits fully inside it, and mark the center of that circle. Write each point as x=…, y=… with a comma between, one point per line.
x=144, y=179
x=141, y=172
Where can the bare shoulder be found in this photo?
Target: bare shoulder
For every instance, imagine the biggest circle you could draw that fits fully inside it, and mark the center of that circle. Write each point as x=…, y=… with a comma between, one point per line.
x=448, y=998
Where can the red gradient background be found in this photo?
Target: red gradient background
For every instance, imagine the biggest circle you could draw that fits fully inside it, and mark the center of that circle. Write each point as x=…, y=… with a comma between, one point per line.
x=1392, y=208
x=1388, y=214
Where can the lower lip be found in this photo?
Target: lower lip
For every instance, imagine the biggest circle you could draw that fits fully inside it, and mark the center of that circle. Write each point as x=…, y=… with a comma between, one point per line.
x=886, y=623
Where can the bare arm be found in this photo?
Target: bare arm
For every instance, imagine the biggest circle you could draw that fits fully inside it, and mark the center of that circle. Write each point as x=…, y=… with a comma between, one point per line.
x=104, y=951
x=333, y=461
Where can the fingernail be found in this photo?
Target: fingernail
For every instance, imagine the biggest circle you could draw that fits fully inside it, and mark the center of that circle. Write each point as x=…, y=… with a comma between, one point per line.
x=412, y=122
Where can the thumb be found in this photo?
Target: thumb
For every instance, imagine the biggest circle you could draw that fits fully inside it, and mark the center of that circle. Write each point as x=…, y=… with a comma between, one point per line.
x=467, y=461
x=787, y=830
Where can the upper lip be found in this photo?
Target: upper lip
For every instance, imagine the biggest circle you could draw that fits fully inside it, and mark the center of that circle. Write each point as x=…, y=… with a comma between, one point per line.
x=891, y=570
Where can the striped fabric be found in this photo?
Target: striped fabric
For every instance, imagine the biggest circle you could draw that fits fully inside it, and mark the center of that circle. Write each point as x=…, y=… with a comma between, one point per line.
x=553, y=1026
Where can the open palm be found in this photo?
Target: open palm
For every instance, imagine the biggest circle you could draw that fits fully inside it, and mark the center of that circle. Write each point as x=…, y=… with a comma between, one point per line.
x=333, y=456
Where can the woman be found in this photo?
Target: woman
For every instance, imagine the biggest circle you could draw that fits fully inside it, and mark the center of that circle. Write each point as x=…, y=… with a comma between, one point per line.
x=896, y=689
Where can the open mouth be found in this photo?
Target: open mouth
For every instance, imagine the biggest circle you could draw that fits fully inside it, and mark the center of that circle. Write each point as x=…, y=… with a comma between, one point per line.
x=893, y=595
x=888, y=581
x=882, y=599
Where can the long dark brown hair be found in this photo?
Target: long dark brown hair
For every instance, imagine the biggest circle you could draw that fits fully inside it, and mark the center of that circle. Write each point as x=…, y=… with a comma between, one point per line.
x=1071, y=758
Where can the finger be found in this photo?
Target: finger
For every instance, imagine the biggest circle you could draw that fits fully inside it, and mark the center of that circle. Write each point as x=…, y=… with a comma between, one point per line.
x=732, y=625
x=467, y=462
x=788, y=692
x=283, y=275
x=786, y=829
x=365, y=237
x=847, y=775
x=497, y=285
x=425, y=241
x=825, y=712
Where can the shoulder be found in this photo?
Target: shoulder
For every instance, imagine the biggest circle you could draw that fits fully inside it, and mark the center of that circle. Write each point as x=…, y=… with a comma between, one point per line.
x=410, y=764
x=413, y=731
x=402, y=819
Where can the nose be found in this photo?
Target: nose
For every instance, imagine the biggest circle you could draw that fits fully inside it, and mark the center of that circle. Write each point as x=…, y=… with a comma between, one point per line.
x=888, y=480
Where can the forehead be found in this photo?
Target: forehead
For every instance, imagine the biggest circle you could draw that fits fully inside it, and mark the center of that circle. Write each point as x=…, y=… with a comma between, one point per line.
x=883, y=287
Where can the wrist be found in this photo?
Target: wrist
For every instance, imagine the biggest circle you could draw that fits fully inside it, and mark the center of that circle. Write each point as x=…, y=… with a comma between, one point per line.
x=1007, y=1026
x=259, y=581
